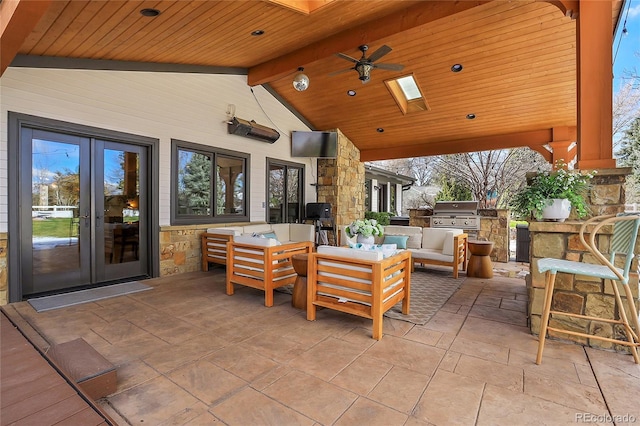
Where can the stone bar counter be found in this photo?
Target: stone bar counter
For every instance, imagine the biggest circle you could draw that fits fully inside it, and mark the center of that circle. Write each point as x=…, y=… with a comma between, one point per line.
x=580, y=294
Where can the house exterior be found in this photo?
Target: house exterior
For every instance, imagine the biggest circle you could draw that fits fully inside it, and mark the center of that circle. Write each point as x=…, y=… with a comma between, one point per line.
x=384, y=190
x=154, y=115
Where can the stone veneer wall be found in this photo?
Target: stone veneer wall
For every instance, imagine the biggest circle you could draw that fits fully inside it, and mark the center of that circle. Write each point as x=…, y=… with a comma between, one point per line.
x=180, y=248
x=579, y=294
x=494, y=226
x=341, y=182
x=4, y=276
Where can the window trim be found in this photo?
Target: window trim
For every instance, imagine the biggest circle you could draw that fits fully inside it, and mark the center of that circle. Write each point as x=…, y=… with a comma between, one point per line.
x=176, y=145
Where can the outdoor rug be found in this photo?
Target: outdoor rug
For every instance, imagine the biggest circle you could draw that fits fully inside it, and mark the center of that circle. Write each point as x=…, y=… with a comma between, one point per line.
x=430, y=290
x=48, y=303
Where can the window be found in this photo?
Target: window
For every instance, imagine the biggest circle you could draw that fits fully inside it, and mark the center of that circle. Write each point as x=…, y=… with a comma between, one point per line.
x=367, y=195
x=407, y=94
x=208, y=184
x=285, y=191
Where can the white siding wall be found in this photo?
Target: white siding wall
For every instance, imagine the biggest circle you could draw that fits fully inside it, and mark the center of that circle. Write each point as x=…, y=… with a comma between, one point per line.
x=189, y=107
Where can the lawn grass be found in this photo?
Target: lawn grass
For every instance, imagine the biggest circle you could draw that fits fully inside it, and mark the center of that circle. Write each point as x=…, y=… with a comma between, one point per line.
x=54, y=227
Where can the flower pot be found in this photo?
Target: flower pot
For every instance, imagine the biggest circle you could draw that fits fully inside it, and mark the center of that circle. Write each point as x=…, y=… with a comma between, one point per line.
x=365, y=240
x=557, y=210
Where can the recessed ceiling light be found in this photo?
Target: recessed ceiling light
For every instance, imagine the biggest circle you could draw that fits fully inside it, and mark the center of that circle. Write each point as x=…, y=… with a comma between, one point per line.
x=149, y=12
x=471, y=116
x=456, y=68
x=380, y=130
x=351, y=92
x=257, y=33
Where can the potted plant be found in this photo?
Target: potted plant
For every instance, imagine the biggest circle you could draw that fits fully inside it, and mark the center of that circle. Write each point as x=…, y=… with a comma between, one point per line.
x=551, y=190
x=365, y=230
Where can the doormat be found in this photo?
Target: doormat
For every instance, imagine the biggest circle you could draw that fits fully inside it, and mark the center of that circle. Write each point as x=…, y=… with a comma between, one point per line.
x=430, y=290
x=48, y=303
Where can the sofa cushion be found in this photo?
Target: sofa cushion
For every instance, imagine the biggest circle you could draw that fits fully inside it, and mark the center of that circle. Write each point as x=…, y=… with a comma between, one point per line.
x=256, y=241
x=447, y=248
x=430, y=254
x=351, y=253
x=225, y=231
x=282, y=231
x=258, y=228
x=399, y=240
x=414, y=233
x=300, y=232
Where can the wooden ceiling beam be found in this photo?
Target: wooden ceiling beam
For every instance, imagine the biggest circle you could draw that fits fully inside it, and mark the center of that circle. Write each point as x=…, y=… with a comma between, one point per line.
x=535, y=139
x=570, y=8
x=368, y=32
x=17, y=19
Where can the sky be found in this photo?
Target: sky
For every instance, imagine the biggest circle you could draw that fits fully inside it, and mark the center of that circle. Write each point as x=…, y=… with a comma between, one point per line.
x=627, y=46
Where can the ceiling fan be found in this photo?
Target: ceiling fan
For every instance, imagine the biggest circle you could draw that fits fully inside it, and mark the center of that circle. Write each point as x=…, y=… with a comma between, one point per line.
x=364, y=65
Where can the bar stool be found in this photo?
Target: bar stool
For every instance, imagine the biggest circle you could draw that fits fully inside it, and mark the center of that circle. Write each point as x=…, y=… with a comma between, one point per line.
x=625, y=232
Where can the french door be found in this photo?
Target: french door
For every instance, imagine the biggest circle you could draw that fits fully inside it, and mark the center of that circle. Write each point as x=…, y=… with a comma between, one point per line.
x=285, y=184
x=84, y=211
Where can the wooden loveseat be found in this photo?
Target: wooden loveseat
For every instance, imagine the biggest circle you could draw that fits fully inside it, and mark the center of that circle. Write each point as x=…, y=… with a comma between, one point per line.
x=358, y=282
x=262, y=263
x=213, y=242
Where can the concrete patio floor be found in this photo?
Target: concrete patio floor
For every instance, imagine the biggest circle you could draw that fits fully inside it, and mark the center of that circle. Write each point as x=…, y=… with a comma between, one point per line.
x=188, y=354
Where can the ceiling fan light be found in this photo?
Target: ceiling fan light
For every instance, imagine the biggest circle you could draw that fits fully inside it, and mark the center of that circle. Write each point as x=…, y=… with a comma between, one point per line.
x=301, y=81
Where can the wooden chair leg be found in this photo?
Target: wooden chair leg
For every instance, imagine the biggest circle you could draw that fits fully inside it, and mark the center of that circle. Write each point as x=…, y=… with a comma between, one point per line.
x=631, y=336
x=632, y=308
x=550, y=280
x=268, y=297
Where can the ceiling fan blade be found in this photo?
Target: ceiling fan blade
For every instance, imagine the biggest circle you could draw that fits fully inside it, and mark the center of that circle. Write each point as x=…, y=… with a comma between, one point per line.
x=347, y=57
x=392, y=67
x=383, y=50
x=340, y=72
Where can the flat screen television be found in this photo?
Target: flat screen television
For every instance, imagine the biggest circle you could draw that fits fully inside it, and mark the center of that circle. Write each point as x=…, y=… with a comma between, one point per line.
x=314, y=144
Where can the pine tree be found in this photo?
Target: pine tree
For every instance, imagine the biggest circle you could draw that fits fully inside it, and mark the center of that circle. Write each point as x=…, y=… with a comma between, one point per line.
x=196, y=188
x=629, y=156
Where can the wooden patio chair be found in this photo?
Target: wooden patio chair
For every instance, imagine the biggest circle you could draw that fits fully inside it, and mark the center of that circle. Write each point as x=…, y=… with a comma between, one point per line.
x=623, y=240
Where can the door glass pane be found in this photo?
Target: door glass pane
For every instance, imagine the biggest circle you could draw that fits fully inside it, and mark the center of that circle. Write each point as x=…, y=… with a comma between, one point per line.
x=194, y=183
x=229, y=185
x=276, y=193
x=293, y=195
x=121, y=198
x=55, y=200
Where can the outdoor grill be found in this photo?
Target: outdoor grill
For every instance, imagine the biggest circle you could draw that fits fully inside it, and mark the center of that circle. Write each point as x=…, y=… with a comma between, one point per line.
x=456, y=214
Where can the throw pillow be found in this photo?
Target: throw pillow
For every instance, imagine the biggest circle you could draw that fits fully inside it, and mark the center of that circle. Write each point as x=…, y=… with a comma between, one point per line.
x=399, y=240
x=269, y=235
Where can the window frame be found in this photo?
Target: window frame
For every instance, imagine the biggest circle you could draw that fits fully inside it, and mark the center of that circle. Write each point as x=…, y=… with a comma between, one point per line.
x=212, y=152
x=301, y=179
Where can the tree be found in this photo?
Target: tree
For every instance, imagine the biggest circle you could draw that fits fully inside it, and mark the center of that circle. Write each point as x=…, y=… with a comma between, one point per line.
x=491, y=176
x=420, y=168
x=629, y=156
x=626, y=106
x=453, y=190
x=195, y=190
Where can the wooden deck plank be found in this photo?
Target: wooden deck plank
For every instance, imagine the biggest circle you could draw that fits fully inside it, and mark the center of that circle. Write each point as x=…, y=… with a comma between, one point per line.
x=33, y=392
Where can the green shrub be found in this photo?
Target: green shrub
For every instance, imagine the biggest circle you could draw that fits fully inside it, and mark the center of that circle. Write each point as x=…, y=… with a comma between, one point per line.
x=383, y=218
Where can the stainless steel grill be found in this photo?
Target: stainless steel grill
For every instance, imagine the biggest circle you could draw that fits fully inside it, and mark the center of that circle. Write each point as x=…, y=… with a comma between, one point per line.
x=456, y=214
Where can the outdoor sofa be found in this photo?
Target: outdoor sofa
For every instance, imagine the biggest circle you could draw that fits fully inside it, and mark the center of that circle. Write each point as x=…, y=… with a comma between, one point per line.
x=428, y=246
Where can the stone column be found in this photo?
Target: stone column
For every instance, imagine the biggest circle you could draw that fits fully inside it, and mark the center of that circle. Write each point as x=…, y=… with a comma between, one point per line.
x=341, y=182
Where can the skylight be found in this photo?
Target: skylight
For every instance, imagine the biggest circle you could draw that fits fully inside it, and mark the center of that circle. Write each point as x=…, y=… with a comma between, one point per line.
x=407, y=94
x=409, y=87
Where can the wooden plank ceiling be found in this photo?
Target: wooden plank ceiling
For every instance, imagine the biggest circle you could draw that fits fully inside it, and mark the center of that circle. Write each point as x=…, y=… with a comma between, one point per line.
x=518, y=58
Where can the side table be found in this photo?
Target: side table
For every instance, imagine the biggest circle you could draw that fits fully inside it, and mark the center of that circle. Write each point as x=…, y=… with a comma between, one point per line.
x=299, y=297
x=480, y=265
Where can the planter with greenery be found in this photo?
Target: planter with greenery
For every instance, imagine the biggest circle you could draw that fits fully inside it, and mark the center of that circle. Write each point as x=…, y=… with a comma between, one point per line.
x=365, y=230
x=547, y=186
